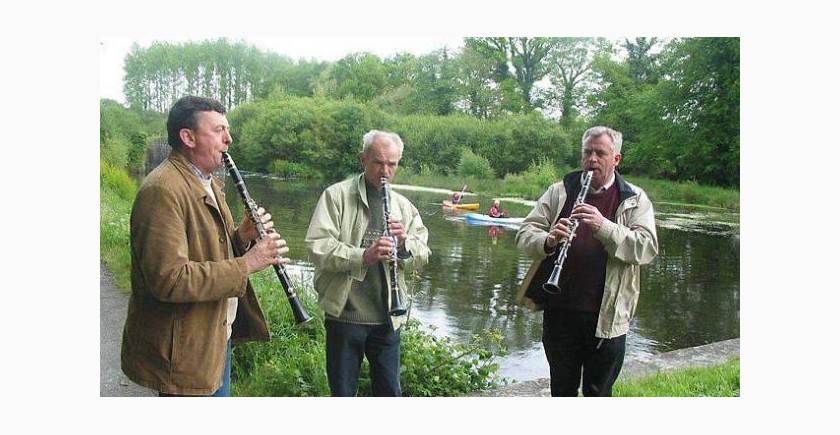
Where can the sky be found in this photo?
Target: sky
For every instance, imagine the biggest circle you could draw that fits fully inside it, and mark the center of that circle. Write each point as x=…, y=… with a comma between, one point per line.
x=112, y=51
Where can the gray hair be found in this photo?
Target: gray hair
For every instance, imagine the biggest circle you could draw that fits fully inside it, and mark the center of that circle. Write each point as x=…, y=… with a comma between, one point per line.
x=596, y=131
x=369, y=137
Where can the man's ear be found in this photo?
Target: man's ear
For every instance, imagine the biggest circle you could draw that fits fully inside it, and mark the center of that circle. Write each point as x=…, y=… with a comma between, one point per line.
x=618, y=158
x=187, y=137
x=362, y=159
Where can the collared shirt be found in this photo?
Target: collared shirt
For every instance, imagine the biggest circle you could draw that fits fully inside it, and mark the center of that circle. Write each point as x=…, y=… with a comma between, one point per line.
x=603, y=188
x=199, y=173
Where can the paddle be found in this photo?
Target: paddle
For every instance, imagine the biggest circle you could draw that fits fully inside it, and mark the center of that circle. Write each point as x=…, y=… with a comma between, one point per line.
x=461, y=195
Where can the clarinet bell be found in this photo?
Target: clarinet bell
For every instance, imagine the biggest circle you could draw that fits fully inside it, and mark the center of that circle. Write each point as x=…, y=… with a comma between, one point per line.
x=553, y=284
x=300, y=314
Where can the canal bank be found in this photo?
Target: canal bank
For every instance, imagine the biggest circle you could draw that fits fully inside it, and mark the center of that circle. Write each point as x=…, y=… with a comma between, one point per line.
x=700, y=356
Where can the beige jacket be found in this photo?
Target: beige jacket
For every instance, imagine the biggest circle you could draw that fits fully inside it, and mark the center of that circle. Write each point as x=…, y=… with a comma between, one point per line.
x=335, y=232
x=630, y=242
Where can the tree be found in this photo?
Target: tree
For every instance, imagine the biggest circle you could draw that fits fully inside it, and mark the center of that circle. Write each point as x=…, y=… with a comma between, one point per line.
x=359, y=76
x=523, y=60
x=570, y=63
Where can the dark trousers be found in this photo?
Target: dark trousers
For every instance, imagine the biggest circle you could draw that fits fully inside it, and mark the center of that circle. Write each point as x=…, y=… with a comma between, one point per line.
x=347, y=343
x=571, y=347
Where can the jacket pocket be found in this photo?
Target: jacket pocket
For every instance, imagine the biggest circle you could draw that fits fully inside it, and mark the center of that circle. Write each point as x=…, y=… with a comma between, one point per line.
x=173, y=348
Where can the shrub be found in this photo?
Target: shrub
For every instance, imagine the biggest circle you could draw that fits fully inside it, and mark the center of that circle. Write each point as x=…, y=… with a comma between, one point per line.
x=532, y=182
x=474, y=165
x=293, y=363
x=289, y=169
x=115, y=179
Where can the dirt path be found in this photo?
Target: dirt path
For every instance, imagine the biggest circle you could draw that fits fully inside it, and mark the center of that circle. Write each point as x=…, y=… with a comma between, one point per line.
x=113, y=304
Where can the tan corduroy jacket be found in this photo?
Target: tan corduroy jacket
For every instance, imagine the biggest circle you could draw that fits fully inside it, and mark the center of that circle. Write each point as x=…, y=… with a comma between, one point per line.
x=182, y=271
x=630, y=241
x=335, y=232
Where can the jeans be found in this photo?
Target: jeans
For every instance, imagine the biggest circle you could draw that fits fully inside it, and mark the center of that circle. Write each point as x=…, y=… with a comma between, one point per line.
x=348, y=343
x=224, y=390
x=570, y=345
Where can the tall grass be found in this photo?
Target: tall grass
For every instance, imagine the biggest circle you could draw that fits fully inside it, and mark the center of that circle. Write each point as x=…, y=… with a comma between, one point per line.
x=116, y=193
x=722, y=380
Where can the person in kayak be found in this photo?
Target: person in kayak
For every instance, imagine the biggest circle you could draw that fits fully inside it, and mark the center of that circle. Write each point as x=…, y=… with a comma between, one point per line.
x=495, y=211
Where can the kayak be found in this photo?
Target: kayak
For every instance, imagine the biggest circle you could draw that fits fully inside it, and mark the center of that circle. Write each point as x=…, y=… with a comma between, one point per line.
x=483, y=219
x=471, y=206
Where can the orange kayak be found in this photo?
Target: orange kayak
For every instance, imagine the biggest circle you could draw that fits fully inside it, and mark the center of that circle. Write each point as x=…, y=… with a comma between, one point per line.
x=473, y=206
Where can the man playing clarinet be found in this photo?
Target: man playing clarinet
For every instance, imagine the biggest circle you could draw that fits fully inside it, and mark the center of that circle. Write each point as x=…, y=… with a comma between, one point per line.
x=585, y=326
x=190, y=294
x=353, y=254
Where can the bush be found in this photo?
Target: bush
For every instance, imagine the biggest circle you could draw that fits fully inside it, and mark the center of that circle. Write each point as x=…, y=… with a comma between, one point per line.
x=532, y=182
x=473, y=165
x=293, y=363
x=113, y=178
x=325, y=136
x=116, y=194
x=287, y=169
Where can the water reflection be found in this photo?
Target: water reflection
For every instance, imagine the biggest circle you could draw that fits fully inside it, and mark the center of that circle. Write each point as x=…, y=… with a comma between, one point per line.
x=689, y=294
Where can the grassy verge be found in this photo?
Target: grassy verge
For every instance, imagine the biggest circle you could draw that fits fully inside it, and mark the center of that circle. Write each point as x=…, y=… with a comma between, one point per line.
x=533, y=183
x=722, y=380
x=116, y=194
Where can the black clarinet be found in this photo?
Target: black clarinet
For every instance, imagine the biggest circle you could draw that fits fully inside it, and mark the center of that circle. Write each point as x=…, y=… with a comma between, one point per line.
x=251, y=208
x=397, y=308
x=553, y=284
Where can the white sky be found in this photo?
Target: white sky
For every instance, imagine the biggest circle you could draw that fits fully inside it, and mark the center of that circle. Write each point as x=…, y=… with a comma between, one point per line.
x=112, y=51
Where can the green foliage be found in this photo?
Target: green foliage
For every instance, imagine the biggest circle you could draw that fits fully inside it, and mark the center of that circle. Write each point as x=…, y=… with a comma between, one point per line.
x=231, y=72
x=324, y=136
x=532, y=182
x=116, y=194
x=723, y=380
x=676, y=101
x=678, y=110
x=123, y=134
x=287, y=169
x=293, y=363
x=433, y=367
x=116, y=180
x=474, y=165
x=509, y=143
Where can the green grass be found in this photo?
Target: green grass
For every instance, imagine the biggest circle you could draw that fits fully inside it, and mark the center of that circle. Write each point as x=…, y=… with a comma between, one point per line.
x=116, y=194
x=722, y=380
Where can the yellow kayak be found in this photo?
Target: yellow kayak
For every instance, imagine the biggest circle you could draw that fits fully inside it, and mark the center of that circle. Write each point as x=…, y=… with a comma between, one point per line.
x=472, y=206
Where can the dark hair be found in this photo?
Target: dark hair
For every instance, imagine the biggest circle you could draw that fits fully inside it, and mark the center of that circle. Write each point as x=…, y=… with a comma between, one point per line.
x=182, y=115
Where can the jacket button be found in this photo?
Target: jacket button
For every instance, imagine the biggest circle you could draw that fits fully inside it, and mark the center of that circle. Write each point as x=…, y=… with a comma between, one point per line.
x=222, y=239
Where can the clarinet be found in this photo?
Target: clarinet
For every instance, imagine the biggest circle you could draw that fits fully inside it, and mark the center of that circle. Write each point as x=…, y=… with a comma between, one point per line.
x=553, y=284
x=251, y=208
x=397, y=308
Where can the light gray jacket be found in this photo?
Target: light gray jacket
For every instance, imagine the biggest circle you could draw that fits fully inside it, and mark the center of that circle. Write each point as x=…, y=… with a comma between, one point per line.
x=335, y=232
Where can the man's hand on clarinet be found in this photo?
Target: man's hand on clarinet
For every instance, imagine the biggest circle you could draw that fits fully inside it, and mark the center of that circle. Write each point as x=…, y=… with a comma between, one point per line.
x=588, y=215
x=398, y=231
x=248, y=231
x=558, y=232
x=268, y=251
x=379, y=250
